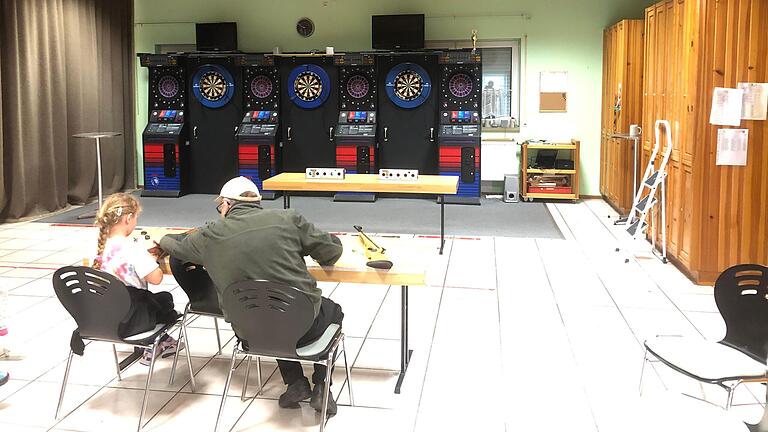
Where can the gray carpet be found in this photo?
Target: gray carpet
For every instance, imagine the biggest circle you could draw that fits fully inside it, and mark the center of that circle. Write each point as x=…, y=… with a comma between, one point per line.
x=391, y=215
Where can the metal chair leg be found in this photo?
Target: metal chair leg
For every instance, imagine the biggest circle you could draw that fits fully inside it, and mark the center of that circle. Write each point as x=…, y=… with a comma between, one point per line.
x=226, y=388
x=117, y=363
x=182, y=335
x=326, y=392
x=258, y=375
x=146, y=388
x=64, y=384
x=245, y=381
x=729, y=401
x=349, y=376
x=192, y=383
x=642, y=371
x=218, y=336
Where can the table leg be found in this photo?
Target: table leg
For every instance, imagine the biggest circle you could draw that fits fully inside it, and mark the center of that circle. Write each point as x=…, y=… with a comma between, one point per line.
x=405, y=353
x=442, y=223
x=286, y=200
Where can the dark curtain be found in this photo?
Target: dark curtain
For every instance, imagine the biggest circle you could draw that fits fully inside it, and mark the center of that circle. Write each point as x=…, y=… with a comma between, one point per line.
x=65, y=68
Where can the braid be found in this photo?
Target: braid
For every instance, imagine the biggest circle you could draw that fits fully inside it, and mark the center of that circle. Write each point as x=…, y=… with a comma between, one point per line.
x=111, y=212
x=103, y=231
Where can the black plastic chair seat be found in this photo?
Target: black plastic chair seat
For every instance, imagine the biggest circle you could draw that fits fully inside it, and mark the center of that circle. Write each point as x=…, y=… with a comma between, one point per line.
x=206, y=307
x=722, y=364
x=148, y=337
x=320, y=348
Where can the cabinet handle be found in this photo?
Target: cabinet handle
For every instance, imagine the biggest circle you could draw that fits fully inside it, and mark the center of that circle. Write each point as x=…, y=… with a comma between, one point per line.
x=330, y=134
x=289, y=134
x=432, y=134
x=194, y=132
x=385, y=134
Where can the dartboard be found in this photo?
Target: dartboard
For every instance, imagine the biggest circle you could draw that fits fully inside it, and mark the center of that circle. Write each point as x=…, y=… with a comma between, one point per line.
x=168, y=86
x=460, y=85
x=308, y=86
x=408, y=85
x=357, y=86
x=261, y=86
x=213, y=86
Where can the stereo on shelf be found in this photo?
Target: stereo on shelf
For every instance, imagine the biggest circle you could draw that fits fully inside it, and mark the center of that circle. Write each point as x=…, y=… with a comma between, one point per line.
x=398, y=174
x=325, y=173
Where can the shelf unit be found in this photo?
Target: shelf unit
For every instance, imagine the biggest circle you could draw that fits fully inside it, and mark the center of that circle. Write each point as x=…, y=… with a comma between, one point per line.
x=572, y=150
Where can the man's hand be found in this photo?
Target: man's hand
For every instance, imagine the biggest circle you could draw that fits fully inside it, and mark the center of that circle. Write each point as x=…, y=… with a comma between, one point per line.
x=156, y=251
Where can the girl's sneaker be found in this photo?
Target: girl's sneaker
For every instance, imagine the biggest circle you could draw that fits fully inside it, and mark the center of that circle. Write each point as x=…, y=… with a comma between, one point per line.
x=166, y=348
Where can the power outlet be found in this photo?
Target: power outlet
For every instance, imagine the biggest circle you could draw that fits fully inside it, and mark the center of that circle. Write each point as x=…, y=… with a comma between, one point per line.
x=325, y=173
x=398, y=175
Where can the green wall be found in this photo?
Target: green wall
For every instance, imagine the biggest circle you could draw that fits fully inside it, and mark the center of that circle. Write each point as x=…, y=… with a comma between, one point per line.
x=557, y=35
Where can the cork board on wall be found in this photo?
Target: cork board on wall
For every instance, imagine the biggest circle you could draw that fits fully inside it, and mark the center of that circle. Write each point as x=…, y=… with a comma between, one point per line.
x=553, y=92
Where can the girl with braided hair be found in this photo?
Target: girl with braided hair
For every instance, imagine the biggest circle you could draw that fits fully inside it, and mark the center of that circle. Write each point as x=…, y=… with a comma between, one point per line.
x=123, y=257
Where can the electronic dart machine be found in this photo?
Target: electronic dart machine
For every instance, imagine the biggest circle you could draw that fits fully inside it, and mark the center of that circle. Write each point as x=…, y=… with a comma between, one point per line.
x=459, y=134
x=258, y=148
x=308, y=110
x=356, y=128
x=407, y=112
x=215, y=111
x=164, y=140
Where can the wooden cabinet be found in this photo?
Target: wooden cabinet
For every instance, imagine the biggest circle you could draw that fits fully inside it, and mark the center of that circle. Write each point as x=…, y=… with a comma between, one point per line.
x=622, y=106
x=550, y=182
x=717, y=216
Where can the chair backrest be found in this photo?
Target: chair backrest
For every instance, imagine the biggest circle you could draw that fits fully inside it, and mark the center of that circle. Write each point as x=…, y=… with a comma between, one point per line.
x=269, y=317
x=197, y=284
x=741, y=294
x=98, y=301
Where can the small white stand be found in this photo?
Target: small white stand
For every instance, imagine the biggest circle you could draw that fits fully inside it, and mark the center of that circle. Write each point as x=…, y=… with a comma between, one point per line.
x=96, y=136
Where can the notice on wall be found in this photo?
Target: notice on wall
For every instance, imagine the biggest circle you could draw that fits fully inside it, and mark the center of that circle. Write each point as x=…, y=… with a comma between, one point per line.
x=732, y=146
x=553, y=91
x=726, y=107
x=754, y=104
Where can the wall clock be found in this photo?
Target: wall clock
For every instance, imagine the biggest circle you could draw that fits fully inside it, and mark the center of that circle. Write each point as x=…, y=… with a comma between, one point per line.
x=305, y=27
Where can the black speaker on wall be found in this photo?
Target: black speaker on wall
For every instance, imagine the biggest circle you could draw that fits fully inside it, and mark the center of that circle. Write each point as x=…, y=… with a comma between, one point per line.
x=468, y=164
x=363, y=160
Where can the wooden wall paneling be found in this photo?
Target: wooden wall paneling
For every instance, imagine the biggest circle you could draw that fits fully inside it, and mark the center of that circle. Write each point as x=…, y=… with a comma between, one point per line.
x=730, y=203
x=622, y=69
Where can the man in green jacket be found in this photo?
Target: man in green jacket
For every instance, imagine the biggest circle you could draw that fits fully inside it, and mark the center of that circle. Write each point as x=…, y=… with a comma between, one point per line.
x=249, y=242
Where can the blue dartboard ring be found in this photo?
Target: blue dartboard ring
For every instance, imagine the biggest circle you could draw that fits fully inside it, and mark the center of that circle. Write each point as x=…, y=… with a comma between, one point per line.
x=213, y=85
x=308, y=86
x=408, y=85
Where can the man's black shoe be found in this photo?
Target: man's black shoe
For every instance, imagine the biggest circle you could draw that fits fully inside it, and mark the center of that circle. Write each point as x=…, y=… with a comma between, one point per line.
x=296, y=392
x=317, y=400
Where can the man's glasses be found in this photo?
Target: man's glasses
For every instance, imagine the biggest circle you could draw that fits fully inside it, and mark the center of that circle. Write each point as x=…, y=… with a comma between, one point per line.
x=218, y=207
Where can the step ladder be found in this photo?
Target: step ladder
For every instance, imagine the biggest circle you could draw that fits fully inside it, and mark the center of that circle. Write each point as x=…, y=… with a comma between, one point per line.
x=645, y=199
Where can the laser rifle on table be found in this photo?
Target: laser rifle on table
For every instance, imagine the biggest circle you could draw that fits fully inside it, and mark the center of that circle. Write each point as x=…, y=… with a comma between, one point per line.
x=373, y=252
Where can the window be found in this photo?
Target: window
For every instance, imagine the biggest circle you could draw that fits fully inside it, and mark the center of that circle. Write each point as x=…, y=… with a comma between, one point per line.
x=501, y=81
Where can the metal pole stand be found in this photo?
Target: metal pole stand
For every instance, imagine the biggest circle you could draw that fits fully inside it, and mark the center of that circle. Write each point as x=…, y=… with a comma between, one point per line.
x=97, y=136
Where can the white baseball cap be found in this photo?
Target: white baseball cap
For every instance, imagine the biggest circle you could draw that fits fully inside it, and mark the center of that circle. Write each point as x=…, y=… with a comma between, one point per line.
x=234, y=188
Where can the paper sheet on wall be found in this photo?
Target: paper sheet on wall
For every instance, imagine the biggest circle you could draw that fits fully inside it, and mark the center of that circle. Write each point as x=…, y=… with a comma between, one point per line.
x=726, y=107
x=732, y=146
x=754, y=105
x=553, y=82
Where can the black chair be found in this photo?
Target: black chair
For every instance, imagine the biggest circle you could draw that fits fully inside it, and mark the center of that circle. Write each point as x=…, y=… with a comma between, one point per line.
x=99, y=302
x=203, y=300
x=741, y=294
x=269, y=319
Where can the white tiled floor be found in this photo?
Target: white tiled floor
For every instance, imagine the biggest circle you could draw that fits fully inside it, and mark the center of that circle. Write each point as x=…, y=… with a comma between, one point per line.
x=510, y=335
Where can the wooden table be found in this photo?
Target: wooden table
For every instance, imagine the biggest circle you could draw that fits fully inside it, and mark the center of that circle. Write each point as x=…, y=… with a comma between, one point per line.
x=426, y=184
x=408, y=269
